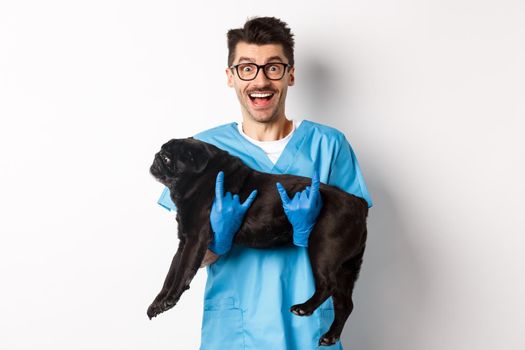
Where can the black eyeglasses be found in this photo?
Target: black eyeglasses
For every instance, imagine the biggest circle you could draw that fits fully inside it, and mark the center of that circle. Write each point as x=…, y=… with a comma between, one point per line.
x=272, y=70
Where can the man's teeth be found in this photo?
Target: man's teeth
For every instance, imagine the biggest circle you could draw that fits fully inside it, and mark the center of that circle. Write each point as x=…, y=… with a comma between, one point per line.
x=260, y=95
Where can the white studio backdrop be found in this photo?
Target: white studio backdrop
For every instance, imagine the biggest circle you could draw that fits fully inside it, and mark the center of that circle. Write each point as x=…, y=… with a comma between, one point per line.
x=429, y=93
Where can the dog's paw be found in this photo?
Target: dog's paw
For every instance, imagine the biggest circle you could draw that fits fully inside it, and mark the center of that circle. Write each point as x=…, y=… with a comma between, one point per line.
x=153, y=310
x=159, y=307
x=328, y=340
x=168, y=303
x=300, y=311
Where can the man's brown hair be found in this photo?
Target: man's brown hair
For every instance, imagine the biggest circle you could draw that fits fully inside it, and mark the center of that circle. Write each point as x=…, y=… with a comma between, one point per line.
x=261, y=31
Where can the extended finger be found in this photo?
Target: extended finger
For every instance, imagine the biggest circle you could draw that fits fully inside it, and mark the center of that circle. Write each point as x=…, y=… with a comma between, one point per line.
x=315, y=185
x=282, y=192
x=248, y=202
x=219, y=186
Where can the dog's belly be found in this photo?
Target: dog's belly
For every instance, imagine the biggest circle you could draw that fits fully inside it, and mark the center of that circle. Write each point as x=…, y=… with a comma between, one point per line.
x=266, y=225
x=264, y=233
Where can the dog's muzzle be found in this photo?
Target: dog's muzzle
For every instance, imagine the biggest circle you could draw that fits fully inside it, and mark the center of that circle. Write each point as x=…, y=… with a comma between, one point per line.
x=157, y=168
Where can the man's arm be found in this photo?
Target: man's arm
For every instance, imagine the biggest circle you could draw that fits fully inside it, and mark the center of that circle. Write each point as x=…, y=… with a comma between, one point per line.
x=209, y=258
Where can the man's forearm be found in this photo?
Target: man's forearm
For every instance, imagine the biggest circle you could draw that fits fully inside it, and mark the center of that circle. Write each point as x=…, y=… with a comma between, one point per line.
x=209, y=258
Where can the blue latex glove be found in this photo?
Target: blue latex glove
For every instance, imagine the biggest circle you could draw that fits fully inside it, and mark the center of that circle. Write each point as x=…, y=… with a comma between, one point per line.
x=302, y=210
x=226, y=216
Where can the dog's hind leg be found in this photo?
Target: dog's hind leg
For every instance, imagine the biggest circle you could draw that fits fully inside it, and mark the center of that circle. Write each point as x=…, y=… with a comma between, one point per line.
x=324, y=264
x=324, y=288
x=342, y=298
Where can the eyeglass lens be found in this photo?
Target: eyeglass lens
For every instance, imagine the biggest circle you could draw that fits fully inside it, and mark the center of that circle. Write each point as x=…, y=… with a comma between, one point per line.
x=249, y=70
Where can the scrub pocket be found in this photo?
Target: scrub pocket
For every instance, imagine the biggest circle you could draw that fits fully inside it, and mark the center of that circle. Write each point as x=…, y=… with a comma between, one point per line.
x=222, y=325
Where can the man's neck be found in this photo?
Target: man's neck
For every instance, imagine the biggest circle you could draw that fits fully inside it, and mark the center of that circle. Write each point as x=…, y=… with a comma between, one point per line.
x=267, y=131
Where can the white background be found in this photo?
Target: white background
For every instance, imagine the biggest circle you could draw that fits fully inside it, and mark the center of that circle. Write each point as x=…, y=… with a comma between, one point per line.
x=429, y=93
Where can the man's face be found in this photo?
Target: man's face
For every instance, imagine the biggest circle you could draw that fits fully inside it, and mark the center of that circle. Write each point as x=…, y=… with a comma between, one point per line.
x=259, y=109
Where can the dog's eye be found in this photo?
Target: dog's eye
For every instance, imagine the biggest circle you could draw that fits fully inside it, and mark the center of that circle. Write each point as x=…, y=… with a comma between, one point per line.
x=166, y=160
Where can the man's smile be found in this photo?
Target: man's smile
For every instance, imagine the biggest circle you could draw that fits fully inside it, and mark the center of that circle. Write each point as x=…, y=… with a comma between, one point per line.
x=261, y=98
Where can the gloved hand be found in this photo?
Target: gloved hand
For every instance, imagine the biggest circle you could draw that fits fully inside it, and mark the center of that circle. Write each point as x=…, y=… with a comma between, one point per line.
x=226, y=216
x=302, y=210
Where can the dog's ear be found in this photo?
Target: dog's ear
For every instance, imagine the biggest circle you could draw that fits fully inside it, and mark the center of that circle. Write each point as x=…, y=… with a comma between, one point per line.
x=195, y=156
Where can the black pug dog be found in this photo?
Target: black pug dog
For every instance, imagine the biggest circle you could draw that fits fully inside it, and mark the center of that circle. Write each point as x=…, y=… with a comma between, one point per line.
x=188, y=167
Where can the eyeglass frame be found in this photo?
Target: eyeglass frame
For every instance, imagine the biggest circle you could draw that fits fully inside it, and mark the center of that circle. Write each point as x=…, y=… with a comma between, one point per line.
x=236, y=67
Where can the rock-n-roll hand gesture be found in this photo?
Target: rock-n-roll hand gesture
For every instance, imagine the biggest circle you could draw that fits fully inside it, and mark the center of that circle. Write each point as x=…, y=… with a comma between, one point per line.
x=302, y=210
x=226, y=216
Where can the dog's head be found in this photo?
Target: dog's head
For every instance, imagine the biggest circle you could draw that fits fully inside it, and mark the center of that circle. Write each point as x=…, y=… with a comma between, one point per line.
x=181, y=157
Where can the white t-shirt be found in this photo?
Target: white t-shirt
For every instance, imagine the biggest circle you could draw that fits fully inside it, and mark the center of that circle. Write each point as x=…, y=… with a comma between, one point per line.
x=273, y=149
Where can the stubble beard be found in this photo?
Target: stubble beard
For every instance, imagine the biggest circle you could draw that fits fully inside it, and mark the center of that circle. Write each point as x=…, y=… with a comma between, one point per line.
x=274, y=116
x=265, y=119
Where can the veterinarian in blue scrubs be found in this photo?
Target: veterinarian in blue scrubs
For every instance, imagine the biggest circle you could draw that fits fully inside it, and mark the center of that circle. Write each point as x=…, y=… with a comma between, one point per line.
x=249, y=291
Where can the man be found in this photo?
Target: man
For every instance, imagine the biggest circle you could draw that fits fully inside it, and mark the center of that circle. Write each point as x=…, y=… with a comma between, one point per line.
x=249, y=291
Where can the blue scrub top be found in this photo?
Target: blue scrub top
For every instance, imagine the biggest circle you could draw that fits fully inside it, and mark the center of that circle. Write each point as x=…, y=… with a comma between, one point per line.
x=249, y=291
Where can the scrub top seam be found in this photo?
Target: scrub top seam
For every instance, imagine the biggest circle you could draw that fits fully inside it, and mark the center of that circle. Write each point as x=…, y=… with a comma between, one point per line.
x=297, y=138
x=296, y=153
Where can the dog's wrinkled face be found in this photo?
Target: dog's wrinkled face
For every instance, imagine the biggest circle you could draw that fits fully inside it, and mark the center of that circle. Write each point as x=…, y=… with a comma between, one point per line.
x=180, y=156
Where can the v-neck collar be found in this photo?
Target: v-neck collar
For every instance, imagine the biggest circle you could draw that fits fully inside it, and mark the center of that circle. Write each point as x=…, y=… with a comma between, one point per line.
x=286, y=158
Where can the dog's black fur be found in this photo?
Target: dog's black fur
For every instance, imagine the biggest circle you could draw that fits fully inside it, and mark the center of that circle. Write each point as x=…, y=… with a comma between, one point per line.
x=188, y=167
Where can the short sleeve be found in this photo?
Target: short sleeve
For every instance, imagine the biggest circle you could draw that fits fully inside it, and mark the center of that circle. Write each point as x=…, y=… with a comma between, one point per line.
x=345, y=173
x=165, y=200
